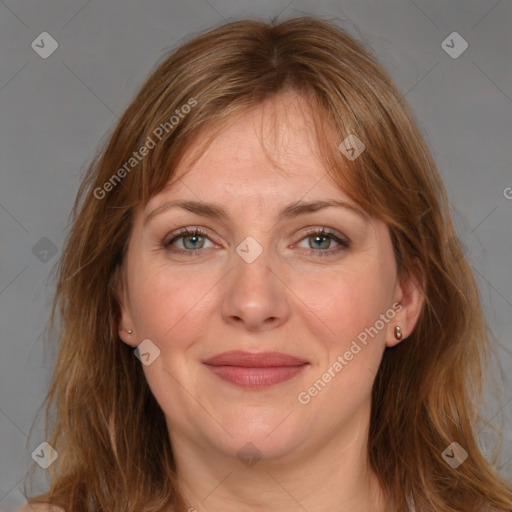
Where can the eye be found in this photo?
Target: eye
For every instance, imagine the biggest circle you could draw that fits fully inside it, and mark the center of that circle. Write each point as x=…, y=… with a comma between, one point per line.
x=322, y=240
x=192, y=240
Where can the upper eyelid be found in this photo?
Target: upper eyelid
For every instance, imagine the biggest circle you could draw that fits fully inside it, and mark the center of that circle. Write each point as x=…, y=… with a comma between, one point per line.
x=186, y=231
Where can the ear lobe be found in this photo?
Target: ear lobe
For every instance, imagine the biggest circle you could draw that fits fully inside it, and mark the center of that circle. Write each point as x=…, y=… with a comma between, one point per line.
x=125, y=321
x=409, y=293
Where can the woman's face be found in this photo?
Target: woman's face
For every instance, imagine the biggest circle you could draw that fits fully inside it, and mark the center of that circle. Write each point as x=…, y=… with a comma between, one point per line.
x=261, y=279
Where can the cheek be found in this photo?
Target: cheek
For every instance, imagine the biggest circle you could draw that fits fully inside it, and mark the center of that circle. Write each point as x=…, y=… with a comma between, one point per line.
x=169, y=304
x=346, y=302
x=349, y=305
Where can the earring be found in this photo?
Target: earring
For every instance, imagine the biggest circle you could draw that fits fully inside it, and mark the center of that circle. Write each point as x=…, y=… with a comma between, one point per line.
x=398, y=332
x=130, y=332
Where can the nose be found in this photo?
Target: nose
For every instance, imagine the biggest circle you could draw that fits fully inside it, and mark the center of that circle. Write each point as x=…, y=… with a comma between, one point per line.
x=256, y=297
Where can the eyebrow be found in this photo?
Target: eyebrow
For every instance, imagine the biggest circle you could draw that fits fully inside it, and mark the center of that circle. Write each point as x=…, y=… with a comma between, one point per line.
x=217, y=211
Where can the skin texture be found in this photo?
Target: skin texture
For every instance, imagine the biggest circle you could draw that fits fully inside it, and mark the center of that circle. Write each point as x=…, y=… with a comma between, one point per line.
x=290, y=300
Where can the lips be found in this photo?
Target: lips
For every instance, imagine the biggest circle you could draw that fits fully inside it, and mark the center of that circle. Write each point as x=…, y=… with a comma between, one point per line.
x=255, y=371
x=254, y=360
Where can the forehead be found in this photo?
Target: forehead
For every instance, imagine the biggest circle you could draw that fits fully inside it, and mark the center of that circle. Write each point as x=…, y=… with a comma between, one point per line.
x=269, y=152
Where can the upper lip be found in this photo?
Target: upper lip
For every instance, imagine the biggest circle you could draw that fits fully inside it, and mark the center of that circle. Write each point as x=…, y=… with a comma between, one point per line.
x=254, y=360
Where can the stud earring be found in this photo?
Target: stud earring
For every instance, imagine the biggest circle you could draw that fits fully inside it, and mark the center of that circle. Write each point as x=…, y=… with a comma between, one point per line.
x=398, y=332
x=130, y=332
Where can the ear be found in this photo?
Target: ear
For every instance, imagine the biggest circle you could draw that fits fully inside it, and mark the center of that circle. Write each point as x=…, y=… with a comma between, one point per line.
x=409, y=294
x=125, y=322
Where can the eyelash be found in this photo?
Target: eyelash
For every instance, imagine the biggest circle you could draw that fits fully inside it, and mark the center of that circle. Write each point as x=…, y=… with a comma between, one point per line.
x=344, y=243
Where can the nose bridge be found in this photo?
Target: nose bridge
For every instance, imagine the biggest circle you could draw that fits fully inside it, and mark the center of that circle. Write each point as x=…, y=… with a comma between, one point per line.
x=255, y=294
x=252, y=262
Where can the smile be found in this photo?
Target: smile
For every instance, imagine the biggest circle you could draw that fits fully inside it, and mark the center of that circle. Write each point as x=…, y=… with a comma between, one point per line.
x=255, y=370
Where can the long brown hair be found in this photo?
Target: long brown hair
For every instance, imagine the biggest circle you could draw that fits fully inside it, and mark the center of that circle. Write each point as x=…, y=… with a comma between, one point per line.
x=110, y=434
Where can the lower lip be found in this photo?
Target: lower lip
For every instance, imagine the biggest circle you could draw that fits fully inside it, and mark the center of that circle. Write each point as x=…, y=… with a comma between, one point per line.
x=256, y=378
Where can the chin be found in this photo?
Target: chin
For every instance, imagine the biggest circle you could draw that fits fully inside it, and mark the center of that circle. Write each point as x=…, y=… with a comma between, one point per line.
x=271, y=434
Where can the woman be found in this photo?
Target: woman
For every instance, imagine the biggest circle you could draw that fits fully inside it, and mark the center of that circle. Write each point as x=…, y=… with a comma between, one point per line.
x=263, y=302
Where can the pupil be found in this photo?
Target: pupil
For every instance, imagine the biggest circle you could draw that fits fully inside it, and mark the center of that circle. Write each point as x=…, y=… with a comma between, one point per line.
x=195, y=238
x=319, y=238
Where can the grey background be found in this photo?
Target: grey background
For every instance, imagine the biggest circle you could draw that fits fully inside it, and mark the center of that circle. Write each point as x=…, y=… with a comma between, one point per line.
x=55, y=111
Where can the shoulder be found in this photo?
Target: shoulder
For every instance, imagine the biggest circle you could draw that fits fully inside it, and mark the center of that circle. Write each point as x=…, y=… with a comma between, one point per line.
x=38, y=507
